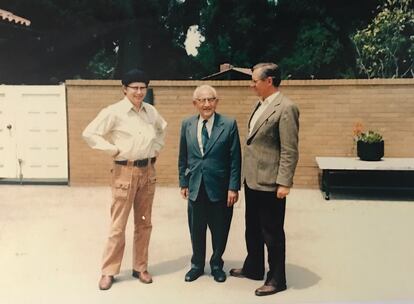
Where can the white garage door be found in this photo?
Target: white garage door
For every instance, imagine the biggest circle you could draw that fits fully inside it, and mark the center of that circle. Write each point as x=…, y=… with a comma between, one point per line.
x=33, y=136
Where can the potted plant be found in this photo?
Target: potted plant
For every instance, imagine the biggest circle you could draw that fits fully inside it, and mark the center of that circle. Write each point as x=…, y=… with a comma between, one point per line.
x=370, y=145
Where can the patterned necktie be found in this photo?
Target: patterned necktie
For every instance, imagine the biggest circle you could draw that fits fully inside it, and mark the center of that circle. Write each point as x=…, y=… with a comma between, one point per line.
x=204, y=135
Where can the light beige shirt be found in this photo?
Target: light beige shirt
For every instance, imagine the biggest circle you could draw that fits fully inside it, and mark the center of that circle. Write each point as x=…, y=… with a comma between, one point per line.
x=209, y=126
x=120, y=128
x=264, y=104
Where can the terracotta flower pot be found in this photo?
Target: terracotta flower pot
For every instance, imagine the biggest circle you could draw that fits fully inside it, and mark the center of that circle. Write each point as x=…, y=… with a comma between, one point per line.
x=370, y=151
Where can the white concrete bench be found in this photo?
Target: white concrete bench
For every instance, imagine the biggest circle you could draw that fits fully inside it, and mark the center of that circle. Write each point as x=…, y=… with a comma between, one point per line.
x=353, y=173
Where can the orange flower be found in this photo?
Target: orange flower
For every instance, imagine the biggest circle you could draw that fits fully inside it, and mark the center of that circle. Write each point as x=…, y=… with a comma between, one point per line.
x=358, y=127
x=369, y=137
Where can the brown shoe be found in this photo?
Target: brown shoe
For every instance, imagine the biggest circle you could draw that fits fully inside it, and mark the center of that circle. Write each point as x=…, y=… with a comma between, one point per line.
x=144, y=276
x=266, y=290
x=237, y=272
x=106, y=282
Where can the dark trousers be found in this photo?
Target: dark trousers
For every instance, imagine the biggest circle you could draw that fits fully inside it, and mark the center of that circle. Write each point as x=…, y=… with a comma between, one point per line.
x=217, y=216
x=265, y=216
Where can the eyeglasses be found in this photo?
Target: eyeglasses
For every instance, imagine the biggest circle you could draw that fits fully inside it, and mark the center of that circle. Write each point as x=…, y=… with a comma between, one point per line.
x=137, y=88
x=208, y=100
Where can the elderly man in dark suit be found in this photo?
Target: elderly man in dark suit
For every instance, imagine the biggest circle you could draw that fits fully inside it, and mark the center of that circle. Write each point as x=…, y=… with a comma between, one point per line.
x=269, y=162
x=209, y=175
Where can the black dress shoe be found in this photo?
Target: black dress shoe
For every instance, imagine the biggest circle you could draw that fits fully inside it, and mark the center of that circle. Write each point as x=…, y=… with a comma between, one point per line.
x=267, y=290
x=219, y=275
x=193, y=274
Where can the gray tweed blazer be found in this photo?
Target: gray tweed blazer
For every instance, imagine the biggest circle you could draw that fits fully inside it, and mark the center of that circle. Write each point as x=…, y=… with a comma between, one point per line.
x=271, y=151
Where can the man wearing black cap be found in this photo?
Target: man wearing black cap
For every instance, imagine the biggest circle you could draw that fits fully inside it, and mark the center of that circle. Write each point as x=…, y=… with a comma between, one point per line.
x=132, y=132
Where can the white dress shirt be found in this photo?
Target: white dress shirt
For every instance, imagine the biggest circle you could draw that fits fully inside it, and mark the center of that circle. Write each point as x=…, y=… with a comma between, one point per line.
x=121, y=130
x=263, y=106
x=209, y=126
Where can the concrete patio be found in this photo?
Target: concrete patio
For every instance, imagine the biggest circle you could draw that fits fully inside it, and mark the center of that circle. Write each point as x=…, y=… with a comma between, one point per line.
x=347, y=250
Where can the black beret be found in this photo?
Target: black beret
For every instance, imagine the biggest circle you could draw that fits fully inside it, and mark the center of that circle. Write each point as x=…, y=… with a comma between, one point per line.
x=134, y=75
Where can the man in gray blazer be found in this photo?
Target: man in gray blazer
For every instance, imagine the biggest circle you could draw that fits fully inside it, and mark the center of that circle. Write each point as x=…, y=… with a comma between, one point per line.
x=269, y=162
x=209, y=174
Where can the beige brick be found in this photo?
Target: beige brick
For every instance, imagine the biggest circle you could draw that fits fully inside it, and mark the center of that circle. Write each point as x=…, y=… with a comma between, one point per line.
x=329, y=109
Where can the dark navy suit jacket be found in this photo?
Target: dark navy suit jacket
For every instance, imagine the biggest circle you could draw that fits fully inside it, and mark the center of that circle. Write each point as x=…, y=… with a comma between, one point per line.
x=219, y=168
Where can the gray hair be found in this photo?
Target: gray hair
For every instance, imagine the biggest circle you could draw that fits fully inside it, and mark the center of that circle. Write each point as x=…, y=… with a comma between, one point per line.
x=269, y=69
x=204, y=87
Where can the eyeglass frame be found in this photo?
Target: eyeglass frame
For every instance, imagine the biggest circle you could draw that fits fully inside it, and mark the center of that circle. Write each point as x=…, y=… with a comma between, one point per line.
x=141, y=88
x=208, y=99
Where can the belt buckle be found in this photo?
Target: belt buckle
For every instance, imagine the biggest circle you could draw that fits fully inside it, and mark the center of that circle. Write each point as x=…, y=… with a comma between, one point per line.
x=142, y=162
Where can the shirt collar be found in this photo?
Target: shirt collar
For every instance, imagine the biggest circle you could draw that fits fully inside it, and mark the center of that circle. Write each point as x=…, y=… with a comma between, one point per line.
x=270, y=98
x=210, y=121
x=126, y=105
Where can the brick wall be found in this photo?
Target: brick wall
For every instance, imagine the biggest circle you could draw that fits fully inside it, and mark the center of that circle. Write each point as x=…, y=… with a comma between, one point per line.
x=329, y=109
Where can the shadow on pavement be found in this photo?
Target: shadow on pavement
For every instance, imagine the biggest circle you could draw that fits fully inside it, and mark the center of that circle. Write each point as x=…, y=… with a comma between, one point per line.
x=300, y=277
x=297, y=277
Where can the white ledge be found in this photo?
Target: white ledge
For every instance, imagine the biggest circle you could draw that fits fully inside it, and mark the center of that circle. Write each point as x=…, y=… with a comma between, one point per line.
x=354, y=163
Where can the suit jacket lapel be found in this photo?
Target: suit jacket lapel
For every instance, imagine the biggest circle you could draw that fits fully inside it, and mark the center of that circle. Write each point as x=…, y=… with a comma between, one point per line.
x=192, y=129
x=271, y=108
x=252, y=113
x=215, y=132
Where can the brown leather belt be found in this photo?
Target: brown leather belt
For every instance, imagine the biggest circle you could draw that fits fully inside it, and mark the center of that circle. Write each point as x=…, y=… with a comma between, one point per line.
x=138, y=162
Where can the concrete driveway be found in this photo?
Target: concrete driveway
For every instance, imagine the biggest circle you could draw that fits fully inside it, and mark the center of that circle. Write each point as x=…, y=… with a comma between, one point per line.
x=347, y=250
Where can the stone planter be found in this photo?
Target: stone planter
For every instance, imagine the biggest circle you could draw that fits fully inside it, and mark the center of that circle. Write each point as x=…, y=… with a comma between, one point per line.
x=370, y=151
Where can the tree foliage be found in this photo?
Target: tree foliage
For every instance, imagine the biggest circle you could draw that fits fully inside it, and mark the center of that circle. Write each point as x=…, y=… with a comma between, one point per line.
x=77, y=39
x=103, y=38
x=385, y=47
x=310, y=39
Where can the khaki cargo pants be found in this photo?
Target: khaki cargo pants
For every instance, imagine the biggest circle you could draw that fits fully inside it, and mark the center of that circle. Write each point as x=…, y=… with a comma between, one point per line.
x=131, y=187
